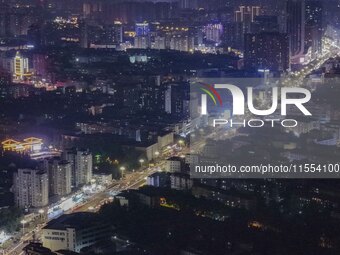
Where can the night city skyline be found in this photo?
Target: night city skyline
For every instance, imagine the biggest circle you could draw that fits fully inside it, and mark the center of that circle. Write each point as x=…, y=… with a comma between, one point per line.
x=170, y=127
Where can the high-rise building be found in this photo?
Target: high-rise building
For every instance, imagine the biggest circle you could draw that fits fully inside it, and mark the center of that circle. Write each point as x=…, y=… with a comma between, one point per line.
x=84, y=37
x=213, y=32
x=313, y=12
x=70, y=156
x=159, y=43
x=142, y=42
x=266, y=50
x=182, y=43
x=314, y=27
x=20, y=66
x=81, y=166
x=296, y=29
x=91, y=8
x=113, y=33
x=245, y=15
x=20, y=19
x=176, y=100
x=30, y=187
x=59, y=175
x=243, y=19
x=118, y=32
x=198, y=34
x=234, y=35
x=188, y=4
x=40, y=64
x=142, y=29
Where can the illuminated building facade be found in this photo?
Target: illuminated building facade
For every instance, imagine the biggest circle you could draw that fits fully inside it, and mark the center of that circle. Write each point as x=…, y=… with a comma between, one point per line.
x=182, y=43
x=81, y=166
x=245, y=16
x=30, y=187
x=142, y=42
x=59, y=174
x=247, y=13
x=20, y=67
x=214, y=32
x=142, y=29
x=118, y=32
x=30, y=144
x=160, y=43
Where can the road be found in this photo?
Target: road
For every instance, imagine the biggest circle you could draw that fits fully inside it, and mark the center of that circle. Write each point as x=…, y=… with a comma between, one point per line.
x=131, y=181
x=330, y=49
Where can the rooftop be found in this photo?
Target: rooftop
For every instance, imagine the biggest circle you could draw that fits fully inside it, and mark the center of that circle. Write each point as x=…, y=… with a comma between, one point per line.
x=80, y=220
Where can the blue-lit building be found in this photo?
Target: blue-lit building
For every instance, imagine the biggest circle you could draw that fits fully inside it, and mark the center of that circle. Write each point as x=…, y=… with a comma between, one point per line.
x=142, y=29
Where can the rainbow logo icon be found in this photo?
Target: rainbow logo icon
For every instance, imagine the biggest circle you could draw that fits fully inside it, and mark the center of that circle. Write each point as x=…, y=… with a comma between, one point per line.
x=213, y=94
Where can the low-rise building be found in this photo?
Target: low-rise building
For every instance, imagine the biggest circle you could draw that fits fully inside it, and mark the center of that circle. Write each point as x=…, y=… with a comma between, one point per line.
x=74, y=231
x=103, y=178
x=174, y=164
x=230, y=198
x=158, y=179
x=181, y=181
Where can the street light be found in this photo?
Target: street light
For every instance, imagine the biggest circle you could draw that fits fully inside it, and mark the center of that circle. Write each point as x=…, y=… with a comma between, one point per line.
x=122, y=169
x=181, y=142
x=23, y=222
x=41, y=212
x=156, y=156
x=141, y=161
